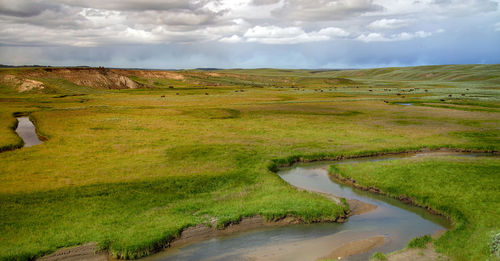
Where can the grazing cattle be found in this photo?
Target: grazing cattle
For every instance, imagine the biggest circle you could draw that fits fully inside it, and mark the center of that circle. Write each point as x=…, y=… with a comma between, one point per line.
x=206, y=93
x=449, y=95
x=441, y=99
x=386, y=101
x=163, y=96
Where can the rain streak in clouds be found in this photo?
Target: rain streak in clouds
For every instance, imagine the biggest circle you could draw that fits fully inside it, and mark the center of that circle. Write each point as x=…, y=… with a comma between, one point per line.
x=249, y=33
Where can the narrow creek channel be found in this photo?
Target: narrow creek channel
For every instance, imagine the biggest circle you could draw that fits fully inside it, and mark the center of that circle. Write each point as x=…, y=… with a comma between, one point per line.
x=393, y=221
x=26, y=130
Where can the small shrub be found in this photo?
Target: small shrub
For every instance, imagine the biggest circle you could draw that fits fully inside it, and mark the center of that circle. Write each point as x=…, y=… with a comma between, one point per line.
x=379, y=256
x=495, y=245
x=419, y=242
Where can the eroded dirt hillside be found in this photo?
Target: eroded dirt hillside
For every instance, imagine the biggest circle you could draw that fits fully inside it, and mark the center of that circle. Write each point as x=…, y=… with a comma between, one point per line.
x=38, y=79
x=96, y=77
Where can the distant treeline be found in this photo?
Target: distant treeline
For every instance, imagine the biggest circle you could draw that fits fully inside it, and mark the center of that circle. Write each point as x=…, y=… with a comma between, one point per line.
x=36, y=65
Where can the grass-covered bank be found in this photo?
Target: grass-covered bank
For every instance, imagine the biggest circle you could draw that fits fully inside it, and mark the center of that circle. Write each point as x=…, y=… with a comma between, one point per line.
x=9, y=140
x=133, y=219
x=129, y=169
x=463, y=188
x=336, y=156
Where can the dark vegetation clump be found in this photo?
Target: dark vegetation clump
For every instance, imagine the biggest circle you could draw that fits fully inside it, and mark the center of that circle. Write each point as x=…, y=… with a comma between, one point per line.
x=420, y=242
x=495, y=246
x=379, y=256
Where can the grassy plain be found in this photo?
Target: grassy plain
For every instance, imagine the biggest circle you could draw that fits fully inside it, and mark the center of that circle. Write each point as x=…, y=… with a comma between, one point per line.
x=463, y=188
x=129, y=169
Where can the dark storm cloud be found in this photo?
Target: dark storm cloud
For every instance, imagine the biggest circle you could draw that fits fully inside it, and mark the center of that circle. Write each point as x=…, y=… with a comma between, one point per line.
x=131, y=5
x=35, y=7
x=25, y=8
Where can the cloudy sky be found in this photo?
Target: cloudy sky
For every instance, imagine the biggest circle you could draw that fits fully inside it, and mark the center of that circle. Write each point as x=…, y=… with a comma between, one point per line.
x=249, y=33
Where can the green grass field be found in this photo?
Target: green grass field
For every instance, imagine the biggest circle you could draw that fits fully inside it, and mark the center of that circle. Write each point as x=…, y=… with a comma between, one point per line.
x=129, y=169
x=464, y=189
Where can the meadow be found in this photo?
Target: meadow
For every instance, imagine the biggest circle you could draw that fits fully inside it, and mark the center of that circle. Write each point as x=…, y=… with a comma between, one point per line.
x=463, y=188
x=130, y=168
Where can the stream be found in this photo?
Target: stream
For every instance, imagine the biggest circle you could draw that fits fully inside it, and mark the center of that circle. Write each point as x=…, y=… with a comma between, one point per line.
x=26, y=130
x=394, y=221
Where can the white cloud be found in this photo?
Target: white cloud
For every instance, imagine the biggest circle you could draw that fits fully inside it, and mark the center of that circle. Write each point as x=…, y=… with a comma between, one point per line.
x=290, y=35
x=139, y=35
x=233, y=39
x=388, y=24
x=404, y=36
x=372, y=37
x=333, y=32
x=420, y=34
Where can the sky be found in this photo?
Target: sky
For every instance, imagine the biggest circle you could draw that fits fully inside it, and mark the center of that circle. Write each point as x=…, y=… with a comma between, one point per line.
x=179, y=34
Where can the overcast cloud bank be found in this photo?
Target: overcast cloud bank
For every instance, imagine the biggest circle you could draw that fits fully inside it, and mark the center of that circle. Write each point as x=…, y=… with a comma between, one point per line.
x=249, y=33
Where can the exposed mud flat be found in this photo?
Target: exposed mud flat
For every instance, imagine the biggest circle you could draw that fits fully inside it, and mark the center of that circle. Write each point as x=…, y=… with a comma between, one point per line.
x=355, y=247
x=417, y=254
x=357, y=207
x=87, y=252
x=321, y=247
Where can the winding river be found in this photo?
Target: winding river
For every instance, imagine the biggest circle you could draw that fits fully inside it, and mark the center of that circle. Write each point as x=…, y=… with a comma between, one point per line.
x=26, y=130
x=392, y=223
